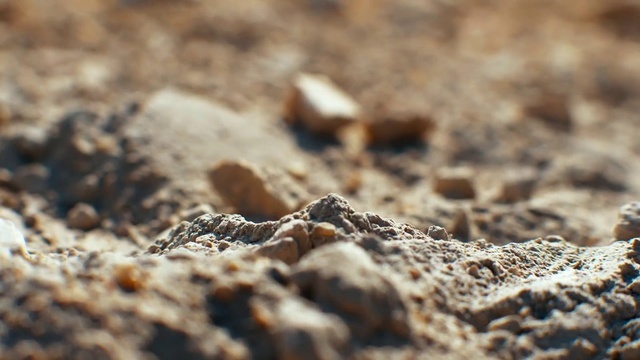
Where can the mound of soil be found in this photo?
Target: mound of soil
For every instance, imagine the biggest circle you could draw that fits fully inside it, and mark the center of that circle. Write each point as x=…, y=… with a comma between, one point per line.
x=319, y=179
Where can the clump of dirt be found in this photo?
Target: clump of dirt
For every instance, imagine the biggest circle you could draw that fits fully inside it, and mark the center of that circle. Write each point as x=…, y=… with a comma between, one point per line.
x=85, y=159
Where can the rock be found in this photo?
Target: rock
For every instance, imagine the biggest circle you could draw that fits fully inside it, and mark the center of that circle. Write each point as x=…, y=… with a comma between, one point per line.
x=83, y=216
x=303, y=332
x=323, y=233
x=256, y=191
x=628, y=225
x=283, y=249
x=455, y=183
x=401, y=129
x=394, y=119
x=517, y=187
x=551, y=109
x=11, y=238
x=320, y=105
x=437, y=233
x=460, y=227
x=298, y=230
x=356, y=290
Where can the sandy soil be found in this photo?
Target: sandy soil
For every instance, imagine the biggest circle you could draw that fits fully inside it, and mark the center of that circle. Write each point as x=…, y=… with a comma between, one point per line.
x=466, y=201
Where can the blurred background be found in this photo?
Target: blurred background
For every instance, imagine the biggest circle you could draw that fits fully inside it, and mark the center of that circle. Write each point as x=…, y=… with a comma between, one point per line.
x=533, y=86
x=476, y=58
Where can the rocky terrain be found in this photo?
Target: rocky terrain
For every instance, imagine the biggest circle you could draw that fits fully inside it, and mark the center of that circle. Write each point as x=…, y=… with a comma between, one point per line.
x=319, y=179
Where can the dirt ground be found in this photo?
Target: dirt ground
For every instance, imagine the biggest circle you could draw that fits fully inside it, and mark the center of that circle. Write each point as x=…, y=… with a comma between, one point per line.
x=177, y=201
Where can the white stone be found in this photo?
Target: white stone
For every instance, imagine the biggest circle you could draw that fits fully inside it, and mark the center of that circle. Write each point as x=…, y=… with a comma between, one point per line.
x=11, y=238
x=320, y=105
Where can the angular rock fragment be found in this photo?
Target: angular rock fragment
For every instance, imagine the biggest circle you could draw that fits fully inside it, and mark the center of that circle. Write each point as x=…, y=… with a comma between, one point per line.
x=404, y=128
x=289, y=243
x=517, y=187
x=322, y=233
x=320, y=105
x=356, y=290
x=256, y=191
x=83, y=216
x=460, y=225
x=628, y=224
x=438, y=233
x=128, y=277
x=284, y=249
x=455, y=183
x=395, y=119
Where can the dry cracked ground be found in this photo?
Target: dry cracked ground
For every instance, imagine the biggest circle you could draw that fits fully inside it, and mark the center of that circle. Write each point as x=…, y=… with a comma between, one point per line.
x=319, y=179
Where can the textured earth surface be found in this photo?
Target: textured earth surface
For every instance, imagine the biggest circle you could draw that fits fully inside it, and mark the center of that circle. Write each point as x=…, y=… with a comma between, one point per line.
x=468, y=192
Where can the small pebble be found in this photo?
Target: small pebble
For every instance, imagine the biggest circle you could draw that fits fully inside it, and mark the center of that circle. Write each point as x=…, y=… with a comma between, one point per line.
x=628, y=225
x=257, y=191
x=83, y=216
x=518, y=187
x=455, y=183
x=437, y=233
x=129, y=277
x=320, y=105
x=460, y=226
x=323, y=229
